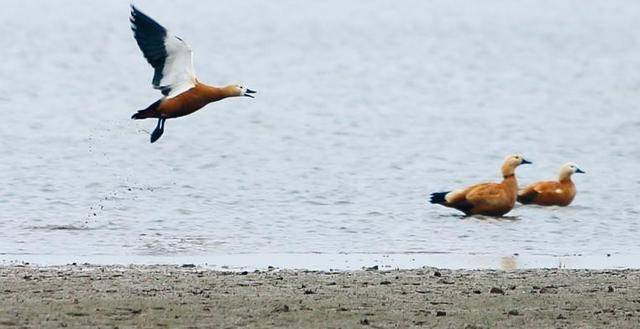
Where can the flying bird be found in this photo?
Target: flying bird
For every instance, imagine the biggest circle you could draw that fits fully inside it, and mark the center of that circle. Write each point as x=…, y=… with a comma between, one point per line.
x=552, y=193
x=491, y=199
x=172, y=61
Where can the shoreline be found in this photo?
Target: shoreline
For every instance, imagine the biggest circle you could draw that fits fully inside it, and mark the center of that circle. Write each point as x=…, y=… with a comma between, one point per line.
x=174, y=296
x=345, y=261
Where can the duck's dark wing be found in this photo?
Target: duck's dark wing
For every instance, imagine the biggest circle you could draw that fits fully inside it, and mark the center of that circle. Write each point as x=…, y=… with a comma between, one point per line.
x=170, y=57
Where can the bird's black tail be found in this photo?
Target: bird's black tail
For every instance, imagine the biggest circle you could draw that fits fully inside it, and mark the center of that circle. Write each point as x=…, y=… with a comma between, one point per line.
x=527, y=198
x=149, y=112
x=438, y=197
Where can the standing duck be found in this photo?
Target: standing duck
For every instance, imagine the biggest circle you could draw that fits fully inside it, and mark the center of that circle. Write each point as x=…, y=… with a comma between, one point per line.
x=552, y=193
x=491, y=199
x=174, y=75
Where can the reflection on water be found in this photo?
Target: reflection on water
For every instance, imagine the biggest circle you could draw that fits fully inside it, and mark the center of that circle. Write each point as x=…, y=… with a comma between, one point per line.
x=362, y=112
x=509, y=263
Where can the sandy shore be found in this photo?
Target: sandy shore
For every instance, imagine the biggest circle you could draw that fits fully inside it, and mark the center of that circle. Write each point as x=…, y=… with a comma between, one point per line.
x=172, y=297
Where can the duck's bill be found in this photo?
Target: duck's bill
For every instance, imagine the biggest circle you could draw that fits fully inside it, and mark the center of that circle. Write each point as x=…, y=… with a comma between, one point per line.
x=525, y=161
x=580, y=171
x=249, y=92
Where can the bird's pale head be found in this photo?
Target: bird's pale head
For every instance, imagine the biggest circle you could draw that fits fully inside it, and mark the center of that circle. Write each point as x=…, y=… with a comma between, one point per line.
x=511, y=162
x=515, y=160
x=569, y=169
x=239, y=90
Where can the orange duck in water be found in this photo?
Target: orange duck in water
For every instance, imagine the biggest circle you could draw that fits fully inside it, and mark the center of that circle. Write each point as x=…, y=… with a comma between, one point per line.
x=174, y=75
x=552, y=193
x=491, y=199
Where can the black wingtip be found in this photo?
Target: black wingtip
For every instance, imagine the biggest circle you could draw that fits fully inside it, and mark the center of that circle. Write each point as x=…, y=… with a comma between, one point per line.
x=134, y=11
x=150, y=36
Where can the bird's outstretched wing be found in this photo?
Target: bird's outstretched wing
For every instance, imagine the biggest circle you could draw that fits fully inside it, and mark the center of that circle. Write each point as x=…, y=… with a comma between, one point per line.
x=169, y=55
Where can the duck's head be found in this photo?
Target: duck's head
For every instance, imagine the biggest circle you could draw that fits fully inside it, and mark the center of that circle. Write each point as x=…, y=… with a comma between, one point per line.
x=515, y=160
x=511, y=162
x=569, y=169
x=239, y=90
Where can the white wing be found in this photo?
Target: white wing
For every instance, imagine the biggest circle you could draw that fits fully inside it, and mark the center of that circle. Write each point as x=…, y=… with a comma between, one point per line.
x=169, y=55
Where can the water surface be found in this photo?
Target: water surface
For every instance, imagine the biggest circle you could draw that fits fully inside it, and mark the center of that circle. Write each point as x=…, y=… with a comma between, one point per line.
x=364, y=108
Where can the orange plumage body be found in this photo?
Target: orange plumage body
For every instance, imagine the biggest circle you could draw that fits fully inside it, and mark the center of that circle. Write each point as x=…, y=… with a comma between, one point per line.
x=174, y=75
x=548, y=193
x=189, y=101
x=491, y=199
x=552, y=193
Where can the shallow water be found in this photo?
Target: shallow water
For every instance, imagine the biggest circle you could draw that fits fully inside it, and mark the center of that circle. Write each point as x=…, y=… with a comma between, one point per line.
x=364, y=108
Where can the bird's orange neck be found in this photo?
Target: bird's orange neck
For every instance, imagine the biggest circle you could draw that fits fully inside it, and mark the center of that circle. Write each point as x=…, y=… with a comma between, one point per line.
x=565, y=178
x=508, y=170
x=511, y=183
x=509, y=178
x=214, y=94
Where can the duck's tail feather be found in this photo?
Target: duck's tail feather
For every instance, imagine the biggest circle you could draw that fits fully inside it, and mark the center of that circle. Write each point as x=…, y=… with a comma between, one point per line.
x=149, y=112
x=438, y=197
x=527, y=198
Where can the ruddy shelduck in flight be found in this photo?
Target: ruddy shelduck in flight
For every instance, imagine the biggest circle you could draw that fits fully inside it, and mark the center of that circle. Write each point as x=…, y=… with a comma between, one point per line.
x=174, y=75
x=491, y=199
x=552, y=193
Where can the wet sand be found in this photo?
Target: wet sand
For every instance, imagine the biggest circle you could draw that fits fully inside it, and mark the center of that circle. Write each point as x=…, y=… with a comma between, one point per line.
x=170, y=296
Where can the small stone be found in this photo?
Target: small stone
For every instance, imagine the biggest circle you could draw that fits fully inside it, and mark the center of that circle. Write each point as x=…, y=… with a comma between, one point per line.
x=512, y=287
x=436, y=273
x=364, y=322
x=385, y=282
x=188, y=266
x=561, y=317
x=372, y=268
x=514, y=312
x=244, y=273
x=548, y=290
x=283, y=308
x=477, y=291
x=610, y=289
x=496, y=290
x=441, y=313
